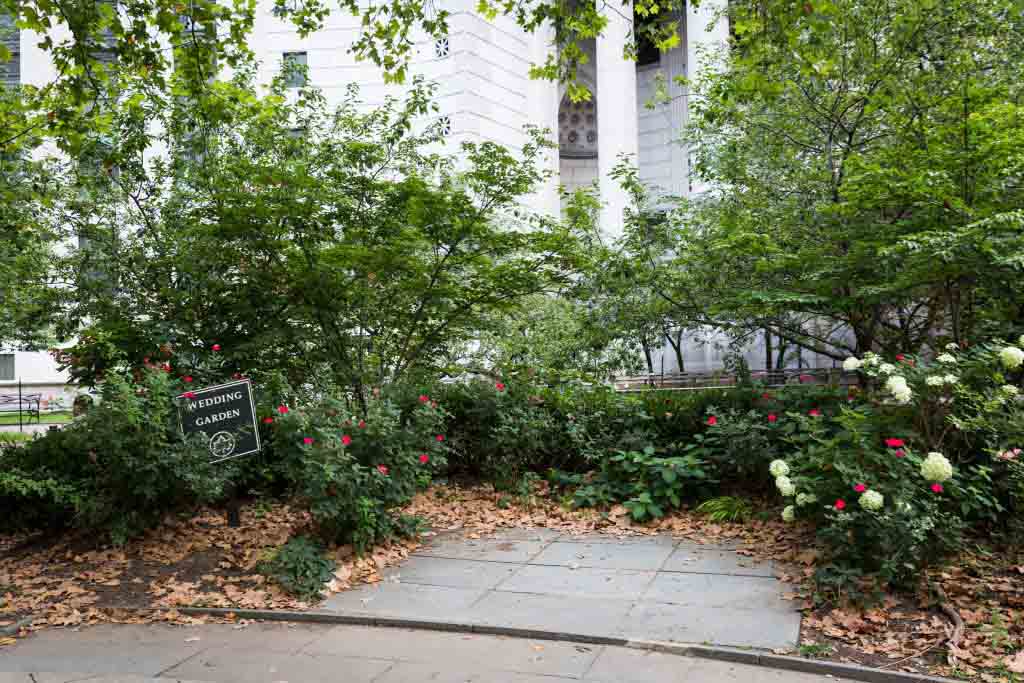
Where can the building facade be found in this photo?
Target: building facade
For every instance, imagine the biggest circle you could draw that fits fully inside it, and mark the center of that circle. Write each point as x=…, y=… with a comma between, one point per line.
x=484, y=93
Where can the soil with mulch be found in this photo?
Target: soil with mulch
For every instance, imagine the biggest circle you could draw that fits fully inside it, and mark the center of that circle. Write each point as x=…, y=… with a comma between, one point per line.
x=198, y=560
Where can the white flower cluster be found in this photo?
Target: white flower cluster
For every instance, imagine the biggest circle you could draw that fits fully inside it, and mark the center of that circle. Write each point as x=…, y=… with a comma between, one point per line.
x=851, y=364
x=934, y=380
x=805, y=499
x=778, y=468
x=871, y=500
x=887, y=368
x=788, y=513
x=936, y=468
x=786, y=487
x=946, y=358
x=952, y=346
x=1009, y=390
x=1012, y=357
x=897, y=386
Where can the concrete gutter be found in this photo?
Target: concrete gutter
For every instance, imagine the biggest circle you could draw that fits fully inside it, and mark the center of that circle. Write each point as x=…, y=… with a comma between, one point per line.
x=729, y=654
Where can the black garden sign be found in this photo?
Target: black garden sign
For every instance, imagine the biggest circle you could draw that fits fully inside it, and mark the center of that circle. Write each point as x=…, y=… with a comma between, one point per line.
x=226, y=414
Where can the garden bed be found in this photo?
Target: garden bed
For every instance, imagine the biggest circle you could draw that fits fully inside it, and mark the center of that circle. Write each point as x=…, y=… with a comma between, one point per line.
x=198, y=560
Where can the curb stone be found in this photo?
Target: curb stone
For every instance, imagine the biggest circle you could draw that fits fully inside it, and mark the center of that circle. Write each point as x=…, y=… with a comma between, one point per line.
x=751, y=657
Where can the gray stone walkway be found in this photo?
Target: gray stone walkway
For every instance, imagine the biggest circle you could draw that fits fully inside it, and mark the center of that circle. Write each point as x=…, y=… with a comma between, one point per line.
x=306, y=653
x=645, y=588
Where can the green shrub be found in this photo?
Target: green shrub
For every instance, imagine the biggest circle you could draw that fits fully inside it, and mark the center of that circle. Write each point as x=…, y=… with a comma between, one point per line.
x=648, y=485
x=354, y=472
x=300, y=568
x=117, y=469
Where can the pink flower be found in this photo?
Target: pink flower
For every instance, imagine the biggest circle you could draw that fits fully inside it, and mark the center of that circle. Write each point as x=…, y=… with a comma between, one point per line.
x=814, y=412
x=766, y=396
x=424, y=458
x=307, y=440
x=937, y=488
x=899, y=453
x=439, y=437
x=237, y=375
x=346, y=439
x=712, y=421
x=189, y=394
x=772, y=417
x=840, y=504
x=167, y=367
x=283, y=410
x=424, y=398
x=894, y=443
x=900, y=356
x=499, y=386
x=860, y=488
x=268, y=420
x=804, y=379
x=215, y=347
x=188, y=379
x=362, y=424
x=383, y=469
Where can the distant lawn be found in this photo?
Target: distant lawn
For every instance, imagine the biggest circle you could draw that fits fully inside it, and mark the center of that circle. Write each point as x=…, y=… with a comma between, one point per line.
x=56, y=417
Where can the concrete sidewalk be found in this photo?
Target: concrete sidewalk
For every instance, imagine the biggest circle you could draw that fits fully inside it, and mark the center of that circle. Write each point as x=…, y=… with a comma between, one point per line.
x=308, y=653
x=641, y=587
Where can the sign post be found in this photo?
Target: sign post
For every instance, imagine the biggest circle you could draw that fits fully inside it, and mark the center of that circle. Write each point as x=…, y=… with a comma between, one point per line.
x=226, y=415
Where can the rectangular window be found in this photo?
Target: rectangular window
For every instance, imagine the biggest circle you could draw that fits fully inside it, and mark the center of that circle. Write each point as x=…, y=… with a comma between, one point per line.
x=10, y=37
x=6, y=366
x=294, y=66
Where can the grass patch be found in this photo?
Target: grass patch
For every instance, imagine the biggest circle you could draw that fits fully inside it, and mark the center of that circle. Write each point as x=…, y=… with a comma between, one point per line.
x=56, y=417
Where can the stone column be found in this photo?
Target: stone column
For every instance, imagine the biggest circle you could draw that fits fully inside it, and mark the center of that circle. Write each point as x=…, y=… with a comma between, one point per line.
x=616, y=110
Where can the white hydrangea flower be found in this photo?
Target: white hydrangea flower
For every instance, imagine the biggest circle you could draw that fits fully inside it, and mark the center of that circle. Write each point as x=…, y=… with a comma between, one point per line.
x=950, y=379
x=871, y=500
x=869, y=359
x=1012, y=357
x=897, y=386
x=936, y=468
x=903, y=396
x=934, y=380
x=887, y=368
x=952, y=346
x=788, y=513
x=778, y=468
x=851, y=364
x=785, y=486
x=946, y=358
x=1009, y=390
x=805, y=499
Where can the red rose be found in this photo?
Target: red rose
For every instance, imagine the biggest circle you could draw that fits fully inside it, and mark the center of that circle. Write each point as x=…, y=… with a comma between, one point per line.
x=814, y=412
x=346, y=439
x=937, y=488
x=307, y=440
x=712, y=421
x=237, y=375
x=189, y=394
x=362, y=424
x=499, y=386
x=283, y=410
x=900, y=356
x=268, y=420
x=439, y=437
x=772, y=417
x=894, y=443
x=383, y=469
x=766, y=396
x=424, y=458
x=860, y=488
x=899, y=453
x=424, y=398
x=215, y=347
x=188, y=379
x=840, y=504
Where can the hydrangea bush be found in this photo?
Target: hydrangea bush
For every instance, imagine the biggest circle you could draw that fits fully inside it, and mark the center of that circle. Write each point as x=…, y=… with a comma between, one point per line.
x=892, y=480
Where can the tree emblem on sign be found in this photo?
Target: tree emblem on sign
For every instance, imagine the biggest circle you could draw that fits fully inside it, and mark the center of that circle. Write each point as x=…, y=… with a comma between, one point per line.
x=222, y=444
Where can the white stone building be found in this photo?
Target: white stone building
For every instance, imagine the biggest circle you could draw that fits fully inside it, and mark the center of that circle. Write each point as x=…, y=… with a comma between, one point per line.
x=485, y=93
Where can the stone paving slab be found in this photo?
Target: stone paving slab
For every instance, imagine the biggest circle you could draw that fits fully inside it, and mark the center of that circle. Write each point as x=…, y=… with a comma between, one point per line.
x=640, y=587
x=617, y=584
x=704, y=560
x=639, y=557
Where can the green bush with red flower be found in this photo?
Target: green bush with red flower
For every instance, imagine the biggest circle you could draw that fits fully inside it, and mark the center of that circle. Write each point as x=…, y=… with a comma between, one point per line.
x=354, y=471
